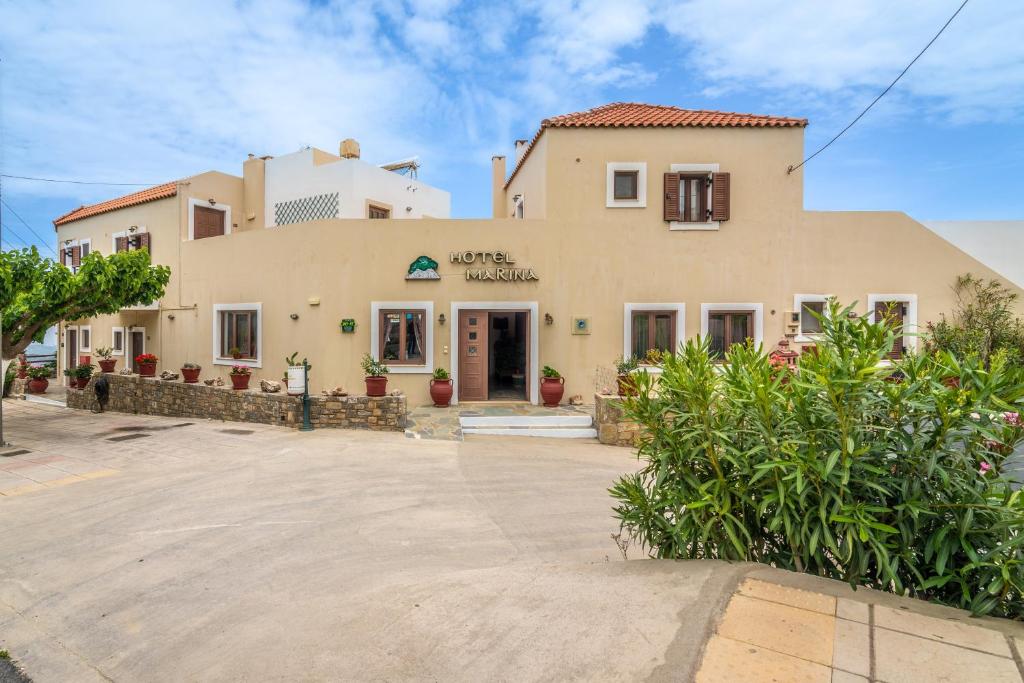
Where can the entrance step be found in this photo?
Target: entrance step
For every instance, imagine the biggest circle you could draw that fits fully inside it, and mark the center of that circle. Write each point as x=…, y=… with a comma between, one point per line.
x=549, y=426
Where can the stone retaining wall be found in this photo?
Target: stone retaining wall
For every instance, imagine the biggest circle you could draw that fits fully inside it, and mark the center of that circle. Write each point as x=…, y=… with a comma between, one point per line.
x=146, y=396
x=613, y=428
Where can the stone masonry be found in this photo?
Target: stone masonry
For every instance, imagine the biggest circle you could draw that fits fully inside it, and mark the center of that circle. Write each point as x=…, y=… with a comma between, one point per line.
x=612, y=426
x=146, y=396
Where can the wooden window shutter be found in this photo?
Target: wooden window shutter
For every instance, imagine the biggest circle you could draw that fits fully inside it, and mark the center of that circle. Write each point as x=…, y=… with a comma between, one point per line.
x=672, y=197
x=144, y=241
x=76, y=256
x=63, y=256
x=719, y=196
x=122, y=244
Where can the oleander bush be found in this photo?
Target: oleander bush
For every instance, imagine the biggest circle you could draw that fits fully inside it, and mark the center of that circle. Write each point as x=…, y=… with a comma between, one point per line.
x=848, y=467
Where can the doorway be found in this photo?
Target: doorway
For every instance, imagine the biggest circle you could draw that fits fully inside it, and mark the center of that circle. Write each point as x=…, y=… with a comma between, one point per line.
x=494, y=355
x=136, y=346
x=70, y=350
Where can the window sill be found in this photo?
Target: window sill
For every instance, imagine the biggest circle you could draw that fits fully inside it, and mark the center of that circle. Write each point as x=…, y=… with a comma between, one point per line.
x=626, y=204
x=807, y=338
x=410, y=369
x=685, y=227
x=650, y=369
x=246, y=362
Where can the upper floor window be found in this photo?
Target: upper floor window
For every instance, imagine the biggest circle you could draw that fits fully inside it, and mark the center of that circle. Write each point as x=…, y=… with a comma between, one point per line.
x=73, y=251
x=208, y=218
x=375, y=211
x=696, y=196
x=626, y=185
x=133, y=239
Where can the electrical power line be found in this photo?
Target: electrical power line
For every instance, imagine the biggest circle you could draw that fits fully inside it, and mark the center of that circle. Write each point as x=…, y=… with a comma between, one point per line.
x=10, y=231
x=38, y=237
x=73, y=182
x=882, y=94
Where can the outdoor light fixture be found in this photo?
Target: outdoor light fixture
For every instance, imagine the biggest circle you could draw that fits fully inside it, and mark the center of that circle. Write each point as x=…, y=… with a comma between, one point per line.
x=441, y=319
x=294, y=316
x=170, y=316
x=548, y=320
x=212, y=201
x=133, y=228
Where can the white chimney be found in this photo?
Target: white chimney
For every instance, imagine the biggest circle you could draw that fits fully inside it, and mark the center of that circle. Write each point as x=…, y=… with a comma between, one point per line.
x=521, y=146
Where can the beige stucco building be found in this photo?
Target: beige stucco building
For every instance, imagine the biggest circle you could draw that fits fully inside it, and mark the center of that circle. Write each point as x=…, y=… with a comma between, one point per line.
x=617, y=230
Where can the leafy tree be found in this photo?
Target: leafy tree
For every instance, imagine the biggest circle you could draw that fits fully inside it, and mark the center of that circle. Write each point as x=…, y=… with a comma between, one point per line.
x=983, y=322
x=878, y=474
x=37, y=293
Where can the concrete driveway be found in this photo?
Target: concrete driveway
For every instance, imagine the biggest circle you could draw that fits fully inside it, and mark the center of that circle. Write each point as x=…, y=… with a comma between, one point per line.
x=221, y=551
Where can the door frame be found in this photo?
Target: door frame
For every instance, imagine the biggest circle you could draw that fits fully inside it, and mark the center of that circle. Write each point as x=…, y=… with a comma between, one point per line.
x=532, y=353
x=129, y=347
x=71, y=352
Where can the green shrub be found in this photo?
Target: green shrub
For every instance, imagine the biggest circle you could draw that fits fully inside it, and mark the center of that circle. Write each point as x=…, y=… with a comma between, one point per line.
x=879, y=475
x=982, y=323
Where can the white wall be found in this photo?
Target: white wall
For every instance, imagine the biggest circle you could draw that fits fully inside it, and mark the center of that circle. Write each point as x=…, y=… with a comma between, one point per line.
x=294, y=176
x=997, y=244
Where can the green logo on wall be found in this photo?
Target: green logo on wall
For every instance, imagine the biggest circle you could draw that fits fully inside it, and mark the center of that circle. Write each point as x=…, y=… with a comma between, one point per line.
x=423, y=268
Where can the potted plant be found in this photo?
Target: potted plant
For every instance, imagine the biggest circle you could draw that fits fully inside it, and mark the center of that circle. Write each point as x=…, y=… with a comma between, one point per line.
x=190, y=372
x=235, y=352
x=38, y=378
x=624, y=368
x=147, y=364
x=552, y=386
x=441, y=388
x=376, y=376
x=348, y=325
x=82, y=374
x=294, y=376
x=240, y=377
x=107, y=362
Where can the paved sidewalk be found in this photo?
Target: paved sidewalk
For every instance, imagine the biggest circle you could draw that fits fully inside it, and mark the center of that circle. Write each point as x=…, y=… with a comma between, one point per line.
x=221, y=551
x=786, y=627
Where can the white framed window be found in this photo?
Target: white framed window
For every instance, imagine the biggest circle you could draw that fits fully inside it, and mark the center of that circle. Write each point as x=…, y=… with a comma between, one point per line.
x=85, y=338
x=694, y=196
x=117, y=341
x=646, y=327
x=902, y=305
x=806, y=307
x=73, y=251
x=402, y=335
x=208, y=218
x=731, y=323
x=626, y=185
x=86, y=245
x=238, y=330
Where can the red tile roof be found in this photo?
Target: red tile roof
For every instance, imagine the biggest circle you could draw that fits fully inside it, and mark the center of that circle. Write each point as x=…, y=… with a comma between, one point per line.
x=149, y=195
x=635, y=115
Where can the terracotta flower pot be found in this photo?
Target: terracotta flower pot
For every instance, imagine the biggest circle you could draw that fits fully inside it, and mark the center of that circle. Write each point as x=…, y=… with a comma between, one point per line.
x=108, y=365
x=38, y=386
x=240, y=382
x=190, y=375
x=551, y=390
x=147, y=369
x=441, y=392
x=627, y=385
x=376, y=386
x=81, y=382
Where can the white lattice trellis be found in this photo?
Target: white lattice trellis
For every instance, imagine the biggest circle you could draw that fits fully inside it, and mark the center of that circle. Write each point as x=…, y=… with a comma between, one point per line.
x=306, y=209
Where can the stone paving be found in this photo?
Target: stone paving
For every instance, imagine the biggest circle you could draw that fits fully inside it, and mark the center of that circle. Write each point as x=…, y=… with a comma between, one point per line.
x=771, y=632
x=428, y=422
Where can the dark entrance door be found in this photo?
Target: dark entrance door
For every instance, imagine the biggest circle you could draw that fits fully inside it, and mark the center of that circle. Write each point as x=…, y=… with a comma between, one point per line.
x=71, y=350
x=138, y=346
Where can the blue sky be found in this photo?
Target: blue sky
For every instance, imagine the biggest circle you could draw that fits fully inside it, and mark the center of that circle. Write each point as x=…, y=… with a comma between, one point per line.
x=149, y=92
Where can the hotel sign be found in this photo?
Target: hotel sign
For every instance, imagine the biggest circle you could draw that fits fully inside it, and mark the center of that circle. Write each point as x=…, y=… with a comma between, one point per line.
x=491, y=265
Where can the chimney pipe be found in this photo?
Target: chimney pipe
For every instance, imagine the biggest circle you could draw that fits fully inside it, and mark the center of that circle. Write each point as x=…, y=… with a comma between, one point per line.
x=520, y=150
x=498, y=187
x=349, y=149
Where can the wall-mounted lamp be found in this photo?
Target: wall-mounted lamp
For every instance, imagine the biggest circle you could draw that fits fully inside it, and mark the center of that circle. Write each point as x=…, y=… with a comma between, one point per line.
x=548, y=320
x=441, y=319
x=133, y=228
x=294, y=316
x=212, y=201
x=170, y=316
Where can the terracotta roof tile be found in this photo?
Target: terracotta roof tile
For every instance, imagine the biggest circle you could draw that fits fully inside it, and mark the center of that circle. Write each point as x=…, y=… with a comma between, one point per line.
x=635, y=115
x=141, y=197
